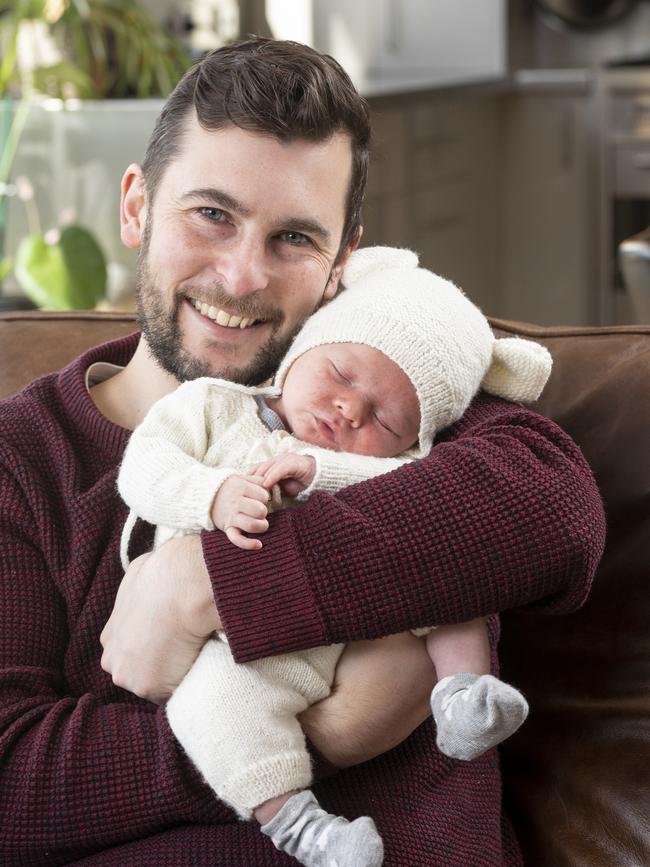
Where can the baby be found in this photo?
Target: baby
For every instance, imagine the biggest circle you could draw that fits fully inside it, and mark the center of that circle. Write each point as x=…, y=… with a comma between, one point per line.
x=364, y=388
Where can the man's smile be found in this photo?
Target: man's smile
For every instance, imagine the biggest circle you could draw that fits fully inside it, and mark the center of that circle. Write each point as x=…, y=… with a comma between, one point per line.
x=222, y=317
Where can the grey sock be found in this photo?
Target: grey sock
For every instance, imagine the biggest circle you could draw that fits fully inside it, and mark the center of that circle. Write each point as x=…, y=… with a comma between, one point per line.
x=475, y=712
x=318, y=839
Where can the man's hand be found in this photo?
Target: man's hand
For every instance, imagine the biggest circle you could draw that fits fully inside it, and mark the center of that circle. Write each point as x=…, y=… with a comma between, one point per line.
x=163, y=613
x=241, y=504
x=380, y=695
x=292, y=472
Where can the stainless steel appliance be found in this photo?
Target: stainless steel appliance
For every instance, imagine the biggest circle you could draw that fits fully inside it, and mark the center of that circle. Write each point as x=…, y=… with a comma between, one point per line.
x=634, y=261
x=584, y=13
x=625, y=177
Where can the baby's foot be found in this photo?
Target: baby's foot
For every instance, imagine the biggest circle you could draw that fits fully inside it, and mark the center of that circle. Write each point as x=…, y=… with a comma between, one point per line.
x=475, y=712
x=318, y=839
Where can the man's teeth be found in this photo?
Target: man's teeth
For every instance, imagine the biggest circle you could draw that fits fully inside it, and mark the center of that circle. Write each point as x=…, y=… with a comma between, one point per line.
x=221, y=317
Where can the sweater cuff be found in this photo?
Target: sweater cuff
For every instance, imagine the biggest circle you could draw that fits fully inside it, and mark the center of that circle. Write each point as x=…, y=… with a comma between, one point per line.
x=264, y=601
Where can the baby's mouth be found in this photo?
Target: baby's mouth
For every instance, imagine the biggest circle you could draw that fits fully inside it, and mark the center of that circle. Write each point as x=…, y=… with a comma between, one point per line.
x=325, y=429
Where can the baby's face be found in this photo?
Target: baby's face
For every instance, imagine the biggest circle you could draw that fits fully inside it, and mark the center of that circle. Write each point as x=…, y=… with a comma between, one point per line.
x=350, y=397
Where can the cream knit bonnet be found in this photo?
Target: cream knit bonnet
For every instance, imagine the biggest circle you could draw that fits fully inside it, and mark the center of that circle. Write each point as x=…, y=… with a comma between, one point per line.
x=430, y=329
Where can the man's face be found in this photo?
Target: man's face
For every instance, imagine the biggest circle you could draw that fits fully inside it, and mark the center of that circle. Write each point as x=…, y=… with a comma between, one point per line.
x=238, y=249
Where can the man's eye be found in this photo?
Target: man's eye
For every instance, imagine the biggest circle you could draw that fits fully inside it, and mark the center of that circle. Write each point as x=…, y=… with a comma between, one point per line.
x=297, y=239
x=214, y=214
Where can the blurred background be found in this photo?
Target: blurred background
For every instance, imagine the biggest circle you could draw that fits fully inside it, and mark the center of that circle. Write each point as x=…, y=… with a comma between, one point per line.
x=512, y=139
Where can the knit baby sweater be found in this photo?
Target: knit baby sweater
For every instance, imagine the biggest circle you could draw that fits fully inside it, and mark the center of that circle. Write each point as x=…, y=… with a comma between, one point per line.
x=197, y=436
x=503, y=513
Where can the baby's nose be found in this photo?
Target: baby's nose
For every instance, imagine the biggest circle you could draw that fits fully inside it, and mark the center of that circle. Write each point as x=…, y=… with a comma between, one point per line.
x=353, y=408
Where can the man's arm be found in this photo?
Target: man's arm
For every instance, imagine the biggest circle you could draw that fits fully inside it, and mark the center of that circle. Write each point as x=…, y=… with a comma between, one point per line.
x=503, y=513
x=79, y=770
x=381, y=694
x=173, y=587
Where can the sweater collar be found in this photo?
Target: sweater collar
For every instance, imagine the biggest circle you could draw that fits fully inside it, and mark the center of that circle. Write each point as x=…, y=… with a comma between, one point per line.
x=79, y=405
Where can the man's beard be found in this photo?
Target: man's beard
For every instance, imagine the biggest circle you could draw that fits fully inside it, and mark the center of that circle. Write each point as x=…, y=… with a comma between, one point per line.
x=163, y=334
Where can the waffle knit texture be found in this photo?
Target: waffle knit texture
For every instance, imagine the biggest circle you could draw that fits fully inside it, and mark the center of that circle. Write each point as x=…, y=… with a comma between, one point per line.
x=427, y=326
x=503, y=513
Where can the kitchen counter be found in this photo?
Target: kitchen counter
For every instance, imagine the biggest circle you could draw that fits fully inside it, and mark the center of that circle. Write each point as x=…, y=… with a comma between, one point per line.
x=566, y=81
x=416, y=82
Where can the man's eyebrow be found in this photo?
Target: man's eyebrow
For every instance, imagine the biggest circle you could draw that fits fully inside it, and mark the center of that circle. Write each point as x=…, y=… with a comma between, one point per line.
x=219, y=197
x=307, y=227
x=303, y=225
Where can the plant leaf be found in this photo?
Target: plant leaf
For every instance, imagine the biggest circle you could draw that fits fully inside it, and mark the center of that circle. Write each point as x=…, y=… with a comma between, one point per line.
x=6, y=267
x=68, y=275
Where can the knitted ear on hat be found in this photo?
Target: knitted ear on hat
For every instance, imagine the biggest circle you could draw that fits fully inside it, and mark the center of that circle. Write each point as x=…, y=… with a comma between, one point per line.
x=370, y=260
x=519, y=369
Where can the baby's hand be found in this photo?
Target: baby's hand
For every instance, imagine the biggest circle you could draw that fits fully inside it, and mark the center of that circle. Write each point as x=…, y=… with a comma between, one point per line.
x=240, y=504
x=292, y=472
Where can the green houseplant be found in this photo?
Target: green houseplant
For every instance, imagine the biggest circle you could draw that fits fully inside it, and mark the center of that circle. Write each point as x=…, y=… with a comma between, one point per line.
x=88, y=49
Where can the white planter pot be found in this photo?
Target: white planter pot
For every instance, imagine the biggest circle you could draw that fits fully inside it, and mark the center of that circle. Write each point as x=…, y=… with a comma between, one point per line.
x=75, y=154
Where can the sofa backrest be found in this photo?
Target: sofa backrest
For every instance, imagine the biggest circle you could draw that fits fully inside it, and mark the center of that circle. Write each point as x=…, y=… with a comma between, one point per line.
x=33, y=343
x=577, y=775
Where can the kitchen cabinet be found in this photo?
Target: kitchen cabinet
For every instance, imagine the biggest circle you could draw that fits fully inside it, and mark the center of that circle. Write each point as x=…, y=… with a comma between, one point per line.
x=549, y=209
x=434, y=185
x=496, y=189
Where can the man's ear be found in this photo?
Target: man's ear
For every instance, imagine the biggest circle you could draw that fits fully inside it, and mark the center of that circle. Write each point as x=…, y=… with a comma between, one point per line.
x=133, y=207
x=335, y=277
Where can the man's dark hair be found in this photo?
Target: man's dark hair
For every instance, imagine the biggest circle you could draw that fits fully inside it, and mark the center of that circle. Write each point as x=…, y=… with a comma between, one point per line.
x=284, y=89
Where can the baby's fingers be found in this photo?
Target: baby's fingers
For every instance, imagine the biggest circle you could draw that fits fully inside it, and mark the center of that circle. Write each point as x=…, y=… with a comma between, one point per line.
x=254, y=489
x=250, y=523
x=236, y=536
x=275, y=475
x=261, y=468
x=251, y=508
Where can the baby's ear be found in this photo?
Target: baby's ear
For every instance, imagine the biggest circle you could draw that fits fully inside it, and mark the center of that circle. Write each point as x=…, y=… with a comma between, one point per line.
x=519, y=369
x=370, y=260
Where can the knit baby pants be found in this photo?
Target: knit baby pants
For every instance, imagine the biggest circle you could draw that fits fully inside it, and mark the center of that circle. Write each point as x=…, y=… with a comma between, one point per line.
x=238, y=722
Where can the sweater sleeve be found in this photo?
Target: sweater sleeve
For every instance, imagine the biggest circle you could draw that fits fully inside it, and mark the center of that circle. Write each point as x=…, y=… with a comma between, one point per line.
x=503, y=513
x=78, y=772
x=163, y=478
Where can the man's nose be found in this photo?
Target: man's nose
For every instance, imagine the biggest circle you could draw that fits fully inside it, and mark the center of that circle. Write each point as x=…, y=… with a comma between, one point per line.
x=243, y=266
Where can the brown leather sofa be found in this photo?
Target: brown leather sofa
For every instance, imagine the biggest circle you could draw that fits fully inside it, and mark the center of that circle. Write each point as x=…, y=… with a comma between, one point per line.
x=577, y=775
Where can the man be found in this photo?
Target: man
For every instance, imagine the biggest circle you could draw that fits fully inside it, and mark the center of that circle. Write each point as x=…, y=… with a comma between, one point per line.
x=244, y=213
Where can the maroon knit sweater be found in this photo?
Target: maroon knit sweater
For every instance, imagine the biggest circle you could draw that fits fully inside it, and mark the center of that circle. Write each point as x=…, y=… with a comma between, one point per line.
x=504, y=513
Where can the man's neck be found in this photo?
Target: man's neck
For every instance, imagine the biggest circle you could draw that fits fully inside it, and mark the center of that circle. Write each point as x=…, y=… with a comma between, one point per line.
x=126, y=397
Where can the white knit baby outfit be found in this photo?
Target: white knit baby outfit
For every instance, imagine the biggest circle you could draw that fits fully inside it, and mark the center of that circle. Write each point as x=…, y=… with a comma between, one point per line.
x=236, y=722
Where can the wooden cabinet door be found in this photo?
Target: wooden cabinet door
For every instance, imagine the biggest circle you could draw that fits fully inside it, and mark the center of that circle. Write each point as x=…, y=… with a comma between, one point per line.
x=548, y=266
